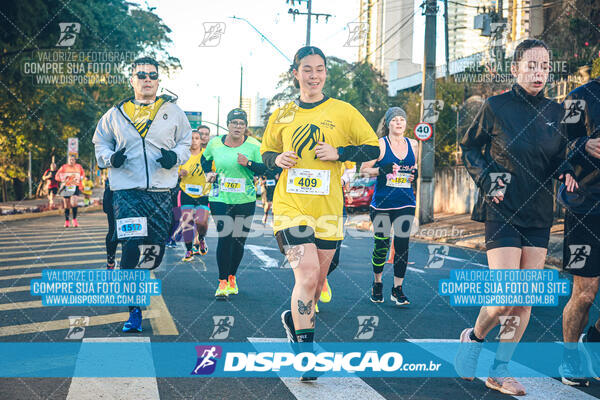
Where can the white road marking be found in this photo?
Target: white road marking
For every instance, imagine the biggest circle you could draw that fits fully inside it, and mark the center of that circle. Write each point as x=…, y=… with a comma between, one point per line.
x=537, y=388
x=259, y=252
x=115, y=388
x=325, y=388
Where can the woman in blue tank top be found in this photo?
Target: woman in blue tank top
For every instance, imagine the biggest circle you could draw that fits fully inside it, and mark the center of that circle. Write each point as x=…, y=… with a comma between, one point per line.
x=393, y=202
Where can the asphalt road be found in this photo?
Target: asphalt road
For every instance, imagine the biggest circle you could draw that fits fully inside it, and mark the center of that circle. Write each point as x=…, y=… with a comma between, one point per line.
x=187, y=306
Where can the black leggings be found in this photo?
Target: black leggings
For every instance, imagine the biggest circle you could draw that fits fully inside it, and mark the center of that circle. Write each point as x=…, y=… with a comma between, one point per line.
x=383, y=220
x=233, y=225
x=111, y=241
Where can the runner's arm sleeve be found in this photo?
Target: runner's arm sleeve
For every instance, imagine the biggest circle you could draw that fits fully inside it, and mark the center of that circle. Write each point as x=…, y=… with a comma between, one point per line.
x=183, y=139
x=257, y=166
x=475, y=140
x=268, y=158
x=271, y=145
x=364, y=145
x=104, y=142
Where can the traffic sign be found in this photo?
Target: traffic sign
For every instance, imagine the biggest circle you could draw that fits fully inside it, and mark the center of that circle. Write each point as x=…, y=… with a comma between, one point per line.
x=423, y=131
x=195, y=118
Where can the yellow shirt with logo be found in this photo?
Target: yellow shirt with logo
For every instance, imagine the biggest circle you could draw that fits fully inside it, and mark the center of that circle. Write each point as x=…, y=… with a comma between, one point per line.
x=142, y=115
x=194, y=183
x=310, y=193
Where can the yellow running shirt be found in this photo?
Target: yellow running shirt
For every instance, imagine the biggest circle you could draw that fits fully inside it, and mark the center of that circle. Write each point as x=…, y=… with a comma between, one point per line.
x=194, y=183
x=310, y=193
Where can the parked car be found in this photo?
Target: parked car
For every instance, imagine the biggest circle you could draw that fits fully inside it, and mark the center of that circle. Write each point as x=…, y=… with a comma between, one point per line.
x=358, y=197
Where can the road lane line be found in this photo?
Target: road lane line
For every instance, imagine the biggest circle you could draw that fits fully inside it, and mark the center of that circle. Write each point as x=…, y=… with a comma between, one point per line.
x=537, y=388
x=146, y=388
x=163, y=323
x=51, y=264
x=325, y=388
x=7, y=277
x=20, y=305
x=46, y=256
x=58, y=325
x=11, y=289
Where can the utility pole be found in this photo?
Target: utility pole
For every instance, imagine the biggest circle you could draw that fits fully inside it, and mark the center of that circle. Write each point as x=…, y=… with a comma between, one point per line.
x=446, y=37
x=309, y=14
x=241, y=81
x=425, y=184
x=29, y=174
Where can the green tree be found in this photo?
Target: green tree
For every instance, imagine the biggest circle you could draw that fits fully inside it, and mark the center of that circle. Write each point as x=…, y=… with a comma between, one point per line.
x=40, y=118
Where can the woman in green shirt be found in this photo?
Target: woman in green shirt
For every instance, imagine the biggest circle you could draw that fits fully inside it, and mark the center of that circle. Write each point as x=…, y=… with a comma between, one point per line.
x=233, y=198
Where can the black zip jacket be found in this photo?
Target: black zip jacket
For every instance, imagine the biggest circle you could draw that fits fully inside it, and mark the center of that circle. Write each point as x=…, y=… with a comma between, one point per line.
x=520, y=134
x=582, y=122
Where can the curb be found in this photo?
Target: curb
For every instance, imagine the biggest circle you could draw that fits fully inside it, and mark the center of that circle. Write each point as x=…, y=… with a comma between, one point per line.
x=18, y=217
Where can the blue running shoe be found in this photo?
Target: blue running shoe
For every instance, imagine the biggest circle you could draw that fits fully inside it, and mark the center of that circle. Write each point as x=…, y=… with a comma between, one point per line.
x=591, y=351
x=134, y=324
x=570, y=370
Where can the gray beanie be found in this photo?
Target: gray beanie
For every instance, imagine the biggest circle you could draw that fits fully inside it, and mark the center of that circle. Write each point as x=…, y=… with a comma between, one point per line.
x=393, y=112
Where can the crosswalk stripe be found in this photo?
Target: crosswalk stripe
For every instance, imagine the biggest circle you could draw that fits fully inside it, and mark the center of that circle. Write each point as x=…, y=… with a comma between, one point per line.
x=20, y=305
x=58, y=325
x=42, y=250
x=324, y=388
x=537, y=388
x=49, y=265
x=41, y=241
x=44, y=257
x=83, y=388
x=7, y=277
x=11, y=289
x=42, y=232
x=163, y=324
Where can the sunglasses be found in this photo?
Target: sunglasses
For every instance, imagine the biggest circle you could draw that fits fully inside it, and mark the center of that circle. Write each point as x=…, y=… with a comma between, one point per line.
x=142, y=75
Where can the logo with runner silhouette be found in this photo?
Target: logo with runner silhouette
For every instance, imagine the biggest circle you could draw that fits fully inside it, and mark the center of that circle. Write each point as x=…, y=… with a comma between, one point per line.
x=366, y=326
x=357, y=34
x=573, y=111
x=68, y=33
x=212, y=34
x=508, y=326
x=287, y=113
x=306, y=137
x=496, y=189
x=223, y=325
x=77, y=327
x=149, y=254
x=207, y=359
x=437, y=255
x=578, y=255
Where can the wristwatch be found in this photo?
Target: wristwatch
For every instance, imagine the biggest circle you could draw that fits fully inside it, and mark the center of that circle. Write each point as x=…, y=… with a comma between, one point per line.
x=249, y=163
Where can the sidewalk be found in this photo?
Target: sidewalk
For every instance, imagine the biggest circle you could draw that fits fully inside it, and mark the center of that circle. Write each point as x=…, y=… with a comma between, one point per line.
x=461, y=230
x=33, y=208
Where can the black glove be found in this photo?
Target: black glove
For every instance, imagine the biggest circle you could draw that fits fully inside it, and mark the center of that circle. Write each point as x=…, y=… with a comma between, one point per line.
x=168, y=159
x=118, y=158
x=386, y=169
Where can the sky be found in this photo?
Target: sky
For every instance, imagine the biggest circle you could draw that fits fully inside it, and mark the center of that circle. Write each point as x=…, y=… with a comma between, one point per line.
x=208, y=72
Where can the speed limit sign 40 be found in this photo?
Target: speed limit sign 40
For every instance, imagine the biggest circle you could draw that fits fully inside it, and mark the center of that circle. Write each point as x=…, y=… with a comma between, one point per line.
x=423, y=131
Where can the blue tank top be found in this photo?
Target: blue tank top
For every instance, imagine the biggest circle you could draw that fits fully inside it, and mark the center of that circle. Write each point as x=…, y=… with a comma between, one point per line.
x=394, y=191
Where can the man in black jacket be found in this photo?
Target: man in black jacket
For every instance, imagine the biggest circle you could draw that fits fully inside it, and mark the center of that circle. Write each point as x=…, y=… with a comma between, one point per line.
x=581, y=250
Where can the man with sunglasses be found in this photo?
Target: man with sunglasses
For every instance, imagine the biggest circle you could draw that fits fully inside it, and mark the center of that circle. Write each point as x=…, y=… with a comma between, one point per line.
x=141, y=141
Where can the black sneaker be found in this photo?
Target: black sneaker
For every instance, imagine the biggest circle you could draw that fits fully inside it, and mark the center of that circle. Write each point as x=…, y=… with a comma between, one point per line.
x=399, y=297
x=377, y=292
x=288, y=326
